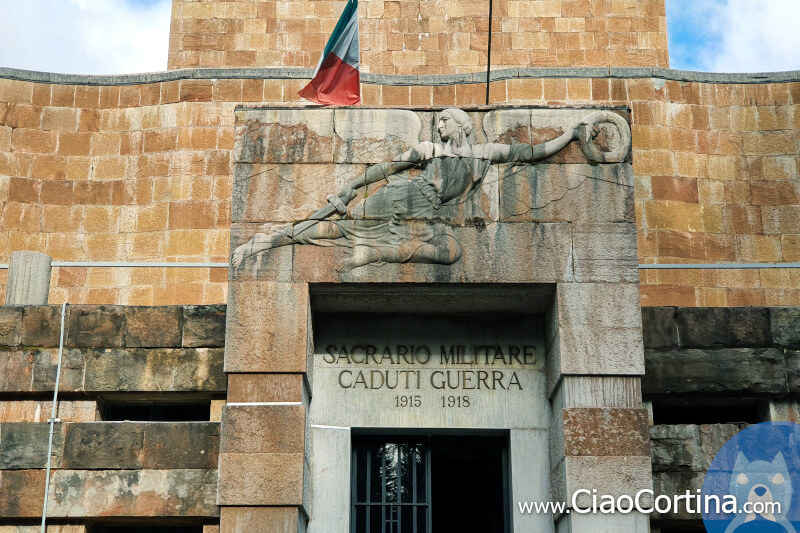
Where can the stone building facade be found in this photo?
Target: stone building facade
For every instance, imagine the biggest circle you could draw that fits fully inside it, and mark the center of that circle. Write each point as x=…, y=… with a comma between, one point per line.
x=482, y=258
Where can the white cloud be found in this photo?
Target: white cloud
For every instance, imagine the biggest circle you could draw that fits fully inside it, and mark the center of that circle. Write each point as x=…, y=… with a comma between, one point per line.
x=85, y=36
x=749, y=35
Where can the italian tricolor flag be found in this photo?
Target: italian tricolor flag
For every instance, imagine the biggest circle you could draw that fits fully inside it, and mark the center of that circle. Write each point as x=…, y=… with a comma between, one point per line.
x=336, y=80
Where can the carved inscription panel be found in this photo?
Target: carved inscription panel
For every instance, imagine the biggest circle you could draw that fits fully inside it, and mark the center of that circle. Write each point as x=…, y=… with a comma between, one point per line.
x=461, y=371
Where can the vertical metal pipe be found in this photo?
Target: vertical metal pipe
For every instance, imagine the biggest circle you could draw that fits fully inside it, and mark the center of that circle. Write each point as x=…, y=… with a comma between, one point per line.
x=53, y=412
x=489, y=52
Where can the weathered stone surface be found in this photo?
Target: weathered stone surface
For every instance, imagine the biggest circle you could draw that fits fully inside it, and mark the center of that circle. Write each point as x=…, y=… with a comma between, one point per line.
x=284, y=136
x=80, y=493
x=605, y=252
x=265, y=387
x=90, y=326
x=676, y=448
x=24, y=445
x=23, y=493
x=605, y=431
x=534, y=253
x=113, y=369
x=204, y=326
x=659, y=327
x=39, y=410
x=784, y=411
x=730, y=370
x=41, y=325
x=37, y=529
x=99, y=446
x=677, y=483
x=10, y=325
x=612, y=475
x=28, y=281
x=266, y=329
x=601, y=391
x=45, y=369
x=785, y=323
x=135, y=445
x=198, y=369
x=567, y=193
x=153, y=327
x=275, y=265
x=263, y=429
x=724, y=326
x=599, y=329
x=713, y=437
x=508, y=126
x=185, y=445
x=793, y=370
x=302, y=189
x=260, y=479
x=268, y=519
x=374, y=135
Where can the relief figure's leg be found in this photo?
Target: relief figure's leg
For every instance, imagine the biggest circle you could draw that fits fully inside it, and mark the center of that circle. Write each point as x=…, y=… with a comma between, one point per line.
x=301, y=232
x=361, y=255
x=441, y=250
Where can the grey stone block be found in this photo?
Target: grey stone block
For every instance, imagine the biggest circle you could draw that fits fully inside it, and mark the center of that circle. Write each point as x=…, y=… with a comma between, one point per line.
x=204, y=326
x=90, y=326
x=41, y=325
x=659, y=327
x=675, y=483
x=10, y=325
x=542, y=253
x=793, y=370
x=709, y=327
x=103, y=446
x=24, y=445
x=729, y=370
x=676, y=448
x=579, y=193
x=785, y=323
x=141, y=369
x=605, y=252
x=185, y=445
x=153, y=327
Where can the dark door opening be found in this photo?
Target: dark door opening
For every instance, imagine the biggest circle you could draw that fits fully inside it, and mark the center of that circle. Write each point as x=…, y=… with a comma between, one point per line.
x=468, y=484
x=427, y=484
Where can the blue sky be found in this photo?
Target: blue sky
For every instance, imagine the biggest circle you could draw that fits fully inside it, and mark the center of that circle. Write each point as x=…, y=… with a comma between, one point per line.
x=119, y=36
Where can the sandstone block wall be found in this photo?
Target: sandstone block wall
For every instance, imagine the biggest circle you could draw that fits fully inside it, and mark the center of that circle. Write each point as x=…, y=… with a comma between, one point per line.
x=422, y=36
x=144, y=172
x=106, y=469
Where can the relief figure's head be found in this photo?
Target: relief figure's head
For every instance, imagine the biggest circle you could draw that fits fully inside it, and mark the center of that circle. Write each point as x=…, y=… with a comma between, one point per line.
x=455, y=126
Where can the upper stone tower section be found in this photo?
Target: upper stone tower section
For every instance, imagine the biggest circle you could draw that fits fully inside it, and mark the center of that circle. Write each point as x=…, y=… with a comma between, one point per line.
x=422, y=36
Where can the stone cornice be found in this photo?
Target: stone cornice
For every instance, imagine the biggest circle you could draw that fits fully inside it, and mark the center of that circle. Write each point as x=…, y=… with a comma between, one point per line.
x=400, y=80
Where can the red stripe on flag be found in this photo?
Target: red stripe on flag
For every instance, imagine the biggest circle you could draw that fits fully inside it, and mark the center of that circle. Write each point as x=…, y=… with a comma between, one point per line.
x=336, y=83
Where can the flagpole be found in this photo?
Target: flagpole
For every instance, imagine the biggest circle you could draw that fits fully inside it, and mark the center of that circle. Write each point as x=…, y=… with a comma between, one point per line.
x=489, y=52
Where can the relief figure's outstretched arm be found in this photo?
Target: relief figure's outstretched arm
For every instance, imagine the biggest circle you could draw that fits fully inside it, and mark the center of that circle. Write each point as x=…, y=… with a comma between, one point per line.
x=526, y=153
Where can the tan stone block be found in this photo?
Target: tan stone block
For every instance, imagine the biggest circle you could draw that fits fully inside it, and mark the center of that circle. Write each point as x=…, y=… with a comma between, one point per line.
x=196, y=91
x=108, y=168
x=34, y=141
x=16, y=92
x=60, y=119
x=790, y=245
x=273, y=479
x=263, y=429
x=265, y=387
x=267, y=519
x=73, y=143
x=267, y=324
x=768, y=143
x=185, y=242
x=89, y=120
x=106, y=143
x=23, y=491
x=63, y=95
